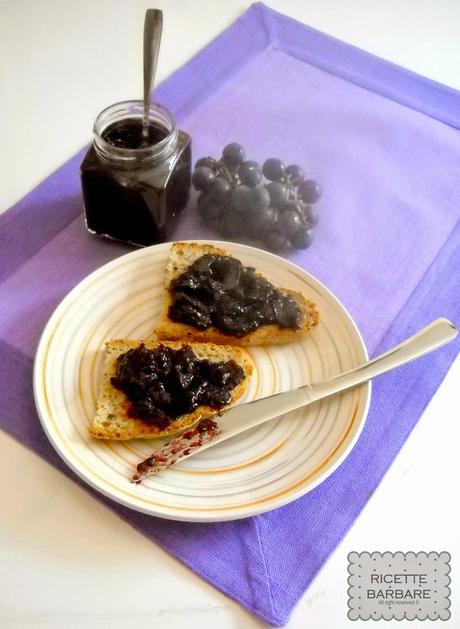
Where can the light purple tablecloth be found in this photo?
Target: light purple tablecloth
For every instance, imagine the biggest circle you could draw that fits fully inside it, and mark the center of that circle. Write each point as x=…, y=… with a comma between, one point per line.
x=385, y=144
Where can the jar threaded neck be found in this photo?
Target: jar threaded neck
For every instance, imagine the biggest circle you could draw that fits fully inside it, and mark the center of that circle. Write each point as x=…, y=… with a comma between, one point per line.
x=134, y=157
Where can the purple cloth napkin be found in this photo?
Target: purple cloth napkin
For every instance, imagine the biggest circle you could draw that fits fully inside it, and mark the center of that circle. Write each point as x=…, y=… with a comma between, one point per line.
x=385, y=144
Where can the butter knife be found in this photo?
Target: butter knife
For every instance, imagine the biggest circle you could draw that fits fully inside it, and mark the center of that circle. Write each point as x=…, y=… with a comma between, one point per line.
x=242, y=417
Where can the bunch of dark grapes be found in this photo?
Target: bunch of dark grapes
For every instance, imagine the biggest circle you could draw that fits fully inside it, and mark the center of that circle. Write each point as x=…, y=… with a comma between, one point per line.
x=236, y=202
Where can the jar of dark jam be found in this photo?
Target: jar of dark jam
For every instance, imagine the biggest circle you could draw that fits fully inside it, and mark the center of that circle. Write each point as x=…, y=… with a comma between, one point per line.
x=135, y=185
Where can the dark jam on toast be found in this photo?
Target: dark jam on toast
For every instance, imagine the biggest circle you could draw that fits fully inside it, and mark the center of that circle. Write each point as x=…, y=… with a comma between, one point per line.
x=219, y=291
x=163, y=383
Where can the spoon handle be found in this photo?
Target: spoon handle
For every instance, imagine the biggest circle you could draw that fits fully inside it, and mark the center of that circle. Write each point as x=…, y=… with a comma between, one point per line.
x=153, y=26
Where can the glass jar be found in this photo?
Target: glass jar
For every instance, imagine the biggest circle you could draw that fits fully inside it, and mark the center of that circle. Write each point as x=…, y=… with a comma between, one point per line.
x=134, y=188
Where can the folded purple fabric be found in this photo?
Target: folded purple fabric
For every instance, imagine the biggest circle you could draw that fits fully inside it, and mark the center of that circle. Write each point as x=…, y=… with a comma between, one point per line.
x=385, y=144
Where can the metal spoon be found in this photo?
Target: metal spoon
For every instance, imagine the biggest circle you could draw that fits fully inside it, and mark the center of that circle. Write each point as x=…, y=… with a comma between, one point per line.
x=153, y=26
x=251, y=414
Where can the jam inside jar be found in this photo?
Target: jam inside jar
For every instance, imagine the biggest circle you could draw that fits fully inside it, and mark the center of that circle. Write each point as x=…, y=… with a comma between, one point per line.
x=135, y=187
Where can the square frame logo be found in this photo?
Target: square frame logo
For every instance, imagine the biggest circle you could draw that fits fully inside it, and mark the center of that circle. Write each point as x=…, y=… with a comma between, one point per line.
x=398, y=586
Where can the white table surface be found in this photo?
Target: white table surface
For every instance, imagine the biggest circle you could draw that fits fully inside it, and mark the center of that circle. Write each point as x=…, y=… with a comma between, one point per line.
x=65, y=560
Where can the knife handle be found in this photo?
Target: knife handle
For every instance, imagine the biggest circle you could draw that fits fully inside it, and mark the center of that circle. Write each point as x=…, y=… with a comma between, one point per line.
x=434, y=335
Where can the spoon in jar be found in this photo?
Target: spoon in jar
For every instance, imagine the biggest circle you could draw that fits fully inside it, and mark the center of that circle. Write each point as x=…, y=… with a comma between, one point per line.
x=153, y=26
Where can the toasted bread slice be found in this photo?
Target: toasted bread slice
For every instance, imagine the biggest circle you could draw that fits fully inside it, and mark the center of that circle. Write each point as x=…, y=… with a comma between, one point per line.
x=182, y=255
x=112, y=421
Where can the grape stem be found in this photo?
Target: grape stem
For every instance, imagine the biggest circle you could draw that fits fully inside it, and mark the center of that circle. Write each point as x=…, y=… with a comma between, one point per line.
x=293, y=194
x=227, y=172
x=292, y=191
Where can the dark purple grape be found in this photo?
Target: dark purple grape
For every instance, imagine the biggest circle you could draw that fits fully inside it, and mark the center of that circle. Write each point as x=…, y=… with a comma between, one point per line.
x=309, y=191
x=265, y=219
x=275, y=241
x=251, y=229
x=241, y=198
x=209, y=162
x=309, y=215
x=257, y=223
x=295, y=173
x=278, y=192
x=209, y=208
x=230, y=225
x=289, y=222
x=249, y=173
x=233, y=154
x=202, y=178
x=260, y=199
x=273, y=169
x=219, y=189
x=302, y=238
x=291, y=205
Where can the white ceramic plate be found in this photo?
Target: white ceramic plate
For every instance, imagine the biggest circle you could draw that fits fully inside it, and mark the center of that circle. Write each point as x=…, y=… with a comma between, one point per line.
x=255, y=472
